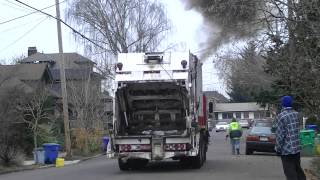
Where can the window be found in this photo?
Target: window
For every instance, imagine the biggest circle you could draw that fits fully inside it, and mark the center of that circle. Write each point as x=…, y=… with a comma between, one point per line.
x=268, y=114
x=224, y=115
x=238, y=115
x=210, y=107
x=256, y=115
x=227, y=115
x=216, y=116
x=246, y=115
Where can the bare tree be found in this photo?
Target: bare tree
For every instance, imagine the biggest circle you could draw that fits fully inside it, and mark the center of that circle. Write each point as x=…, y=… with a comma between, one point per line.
x=121, y=25
x=37, y=110
x=88, y=112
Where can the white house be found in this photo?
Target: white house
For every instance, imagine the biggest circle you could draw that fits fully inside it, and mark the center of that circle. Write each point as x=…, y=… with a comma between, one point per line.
x=248, y=110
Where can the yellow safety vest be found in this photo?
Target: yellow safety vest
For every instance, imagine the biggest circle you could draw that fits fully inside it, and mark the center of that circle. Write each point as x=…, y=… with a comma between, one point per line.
x=234, y=126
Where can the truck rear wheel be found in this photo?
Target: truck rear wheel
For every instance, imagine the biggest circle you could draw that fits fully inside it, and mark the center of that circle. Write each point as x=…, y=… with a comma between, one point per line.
x=123, y=166
x=198, y=160
x=138, y=163
x=132, y=164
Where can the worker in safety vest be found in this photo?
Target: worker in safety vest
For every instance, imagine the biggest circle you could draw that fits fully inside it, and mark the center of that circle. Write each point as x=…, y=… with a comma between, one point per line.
x=235, y=133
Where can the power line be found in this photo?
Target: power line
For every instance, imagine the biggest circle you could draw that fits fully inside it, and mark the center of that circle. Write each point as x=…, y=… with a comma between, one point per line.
x=18, y=39
x=4, y=22
x=20, y=25
x=17, y=5
x=74, y=30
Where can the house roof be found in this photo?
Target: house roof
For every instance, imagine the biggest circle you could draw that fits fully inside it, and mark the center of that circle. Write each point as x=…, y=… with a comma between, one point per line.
x=217, y=96
x=13, y=83
x=24, y=72
x=17, y=76
x=70, y=58
x=237, y=107
x=75, y=74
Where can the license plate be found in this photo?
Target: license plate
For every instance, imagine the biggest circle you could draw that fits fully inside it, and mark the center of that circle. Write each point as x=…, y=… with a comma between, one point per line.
x=263, y=139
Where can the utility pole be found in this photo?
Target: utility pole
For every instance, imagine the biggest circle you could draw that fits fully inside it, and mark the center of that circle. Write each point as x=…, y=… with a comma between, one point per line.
x=67, y=141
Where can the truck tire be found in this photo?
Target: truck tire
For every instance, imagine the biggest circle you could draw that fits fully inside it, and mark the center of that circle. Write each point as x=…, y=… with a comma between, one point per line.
x=198, y=160
x=123, y=166
x=186, y=162
x=138, y=163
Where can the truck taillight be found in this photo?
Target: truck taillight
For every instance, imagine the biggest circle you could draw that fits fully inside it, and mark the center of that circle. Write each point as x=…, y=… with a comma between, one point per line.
x=176, y=147
x=134, y=147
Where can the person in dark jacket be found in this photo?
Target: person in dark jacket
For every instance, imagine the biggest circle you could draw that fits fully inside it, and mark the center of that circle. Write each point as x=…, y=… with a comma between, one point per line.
x=287, y=127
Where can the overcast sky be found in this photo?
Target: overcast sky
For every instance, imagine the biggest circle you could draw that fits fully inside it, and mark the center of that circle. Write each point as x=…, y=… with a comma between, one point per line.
x=40, y=31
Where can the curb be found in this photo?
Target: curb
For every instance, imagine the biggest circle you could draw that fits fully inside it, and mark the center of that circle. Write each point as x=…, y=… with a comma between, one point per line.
x=34, y=167
x=91, y=157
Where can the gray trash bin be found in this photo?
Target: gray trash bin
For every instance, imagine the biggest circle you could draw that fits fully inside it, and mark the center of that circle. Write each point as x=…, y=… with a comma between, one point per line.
x=38, y=155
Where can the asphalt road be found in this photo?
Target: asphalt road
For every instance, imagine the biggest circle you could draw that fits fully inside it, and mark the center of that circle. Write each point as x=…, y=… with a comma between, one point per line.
x=220, y=165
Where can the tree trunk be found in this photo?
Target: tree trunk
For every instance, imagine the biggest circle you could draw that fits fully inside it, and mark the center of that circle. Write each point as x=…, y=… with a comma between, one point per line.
x=35, y=142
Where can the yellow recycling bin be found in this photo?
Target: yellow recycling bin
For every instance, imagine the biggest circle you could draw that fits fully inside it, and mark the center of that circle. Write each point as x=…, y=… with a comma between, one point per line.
x=59, y=162
x=318, y=149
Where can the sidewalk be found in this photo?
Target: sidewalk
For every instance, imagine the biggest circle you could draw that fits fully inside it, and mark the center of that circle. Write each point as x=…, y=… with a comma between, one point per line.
x=31, y=165
x=308, y=166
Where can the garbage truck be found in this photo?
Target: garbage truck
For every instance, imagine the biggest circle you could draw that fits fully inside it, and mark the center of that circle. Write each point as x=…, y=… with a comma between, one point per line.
x=159, y=110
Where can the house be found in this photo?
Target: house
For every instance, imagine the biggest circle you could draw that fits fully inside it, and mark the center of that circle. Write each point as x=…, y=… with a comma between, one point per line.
x=83, y=84
x=248, y=111
x=29, y=77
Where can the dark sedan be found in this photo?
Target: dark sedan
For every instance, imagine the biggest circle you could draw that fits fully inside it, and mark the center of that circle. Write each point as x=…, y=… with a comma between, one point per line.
x=260, y=139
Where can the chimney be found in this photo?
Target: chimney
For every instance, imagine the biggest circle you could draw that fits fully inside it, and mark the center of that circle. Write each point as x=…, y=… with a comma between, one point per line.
x=32, y=50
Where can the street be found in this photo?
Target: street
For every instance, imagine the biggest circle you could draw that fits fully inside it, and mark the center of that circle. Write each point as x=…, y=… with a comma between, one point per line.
x=220, y=165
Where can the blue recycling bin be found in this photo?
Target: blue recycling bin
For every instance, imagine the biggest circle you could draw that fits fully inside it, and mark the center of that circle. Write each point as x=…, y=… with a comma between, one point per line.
x=312, y=127
x=105, y=142
x=51, y=151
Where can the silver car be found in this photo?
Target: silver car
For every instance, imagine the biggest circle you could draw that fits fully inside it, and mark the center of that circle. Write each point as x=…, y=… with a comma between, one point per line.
x=244, y=123
x=222, y=126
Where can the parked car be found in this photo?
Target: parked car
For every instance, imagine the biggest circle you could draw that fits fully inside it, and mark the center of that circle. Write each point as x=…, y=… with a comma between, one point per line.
x=222, y=126
x=260, y=139
x=244, y=123
x=262, y=123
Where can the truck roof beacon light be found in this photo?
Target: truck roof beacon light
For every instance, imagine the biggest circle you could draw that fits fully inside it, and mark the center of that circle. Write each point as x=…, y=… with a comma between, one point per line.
x=119, y=65
x=184, y=63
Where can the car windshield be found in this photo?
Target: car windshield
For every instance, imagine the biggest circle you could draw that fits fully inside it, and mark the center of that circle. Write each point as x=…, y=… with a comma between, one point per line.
x=243, y=121
x=222, y=123
x=261, y=130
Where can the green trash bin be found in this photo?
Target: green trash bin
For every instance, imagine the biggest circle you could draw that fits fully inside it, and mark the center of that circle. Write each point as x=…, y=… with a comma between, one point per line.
x=307, y=137
x=308, y=150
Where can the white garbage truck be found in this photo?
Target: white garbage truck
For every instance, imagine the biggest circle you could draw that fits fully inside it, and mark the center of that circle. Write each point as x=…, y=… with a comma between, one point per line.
x=159, y=110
